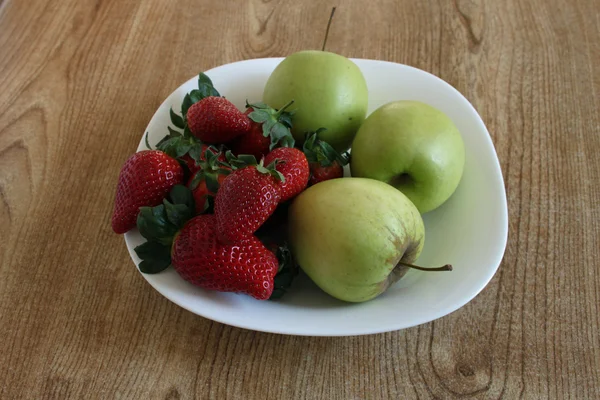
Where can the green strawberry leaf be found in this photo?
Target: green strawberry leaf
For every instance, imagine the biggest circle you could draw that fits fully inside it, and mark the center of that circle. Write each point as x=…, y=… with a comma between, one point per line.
x=241, y=161
x=198, y=177
x=155, y=257
x=281, y=136
x=154, y=225
x=332, y=154
x=176, y=119
x=275, y=123
x=207, y=91
x=169, y=146
x=318, y=150
x=280, y=176
x=262, y=169
x=286, y=119
x=164, y=139
x=177, y=145
x=205, y=85
x=177, y=214
x=182, y=148
x=195, y=152
x=173, y=132
x=185, y=105
x=211, y=158
x=271, y=170
x=258, y=105
x=203, y=79
x=154, y=266
x=247, y=159
x=187, y=133
x=196, y=95
x=159, y=225
x=308, y=147
x=288, y=270
x=212, y=184
x=268, y=126
x=180, y=194
x=232, y=159
x=259, y=116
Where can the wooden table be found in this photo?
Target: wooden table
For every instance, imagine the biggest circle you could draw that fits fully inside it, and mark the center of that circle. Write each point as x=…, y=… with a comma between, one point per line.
x=80, y=79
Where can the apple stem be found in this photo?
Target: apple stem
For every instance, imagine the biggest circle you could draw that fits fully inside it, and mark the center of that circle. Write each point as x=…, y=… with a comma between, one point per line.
x=446, y=267
x=327, y=31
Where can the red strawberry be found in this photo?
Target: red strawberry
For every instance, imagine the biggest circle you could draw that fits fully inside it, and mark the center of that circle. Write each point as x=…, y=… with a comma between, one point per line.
x=320, y=173
x=294, y=168
x=270, y=128
x=201, y=192
x=216, y=120
x=211, y=170
x=247, y=267
x=190, y=244
x=244, y=201
x=254, y=142
x=324, y=161
x=145, y=180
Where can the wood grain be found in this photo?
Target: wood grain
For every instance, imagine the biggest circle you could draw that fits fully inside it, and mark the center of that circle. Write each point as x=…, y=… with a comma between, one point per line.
x=79, y=81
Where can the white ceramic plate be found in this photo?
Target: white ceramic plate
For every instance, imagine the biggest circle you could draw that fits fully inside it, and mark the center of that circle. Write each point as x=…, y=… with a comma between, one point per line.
x=469, y=231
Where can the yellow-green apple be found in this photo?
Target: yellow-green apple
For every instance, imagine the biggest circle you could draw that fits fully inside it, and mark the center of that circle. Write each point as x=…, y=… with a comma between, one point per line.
x=329, y=91
x=354, y=237
x=413, y=147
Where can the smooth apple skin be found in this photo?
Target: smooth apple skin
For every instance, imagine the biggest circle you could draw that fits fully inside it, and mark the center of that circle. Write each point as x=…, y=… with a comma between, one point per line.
x=328, y=90
x=410, y=137
x=348, y=235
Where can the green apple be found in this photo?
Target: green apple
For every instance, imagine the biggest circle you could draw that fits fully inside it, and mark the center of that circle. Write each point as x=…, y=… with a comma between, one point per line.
x=354, y=237
x=413, y=147
x=329, y=91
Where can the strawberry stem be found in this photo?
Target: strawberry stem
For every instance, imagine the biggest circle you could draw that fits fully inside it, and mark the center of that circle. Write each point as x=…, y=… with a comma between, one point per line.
x=282, y=109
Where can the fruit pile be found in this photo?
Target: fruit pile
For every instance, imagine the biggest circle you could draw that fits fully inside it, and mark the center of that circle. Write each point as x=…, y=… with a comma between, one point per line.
x=237, y=201
x=210, y=184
